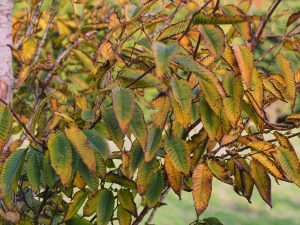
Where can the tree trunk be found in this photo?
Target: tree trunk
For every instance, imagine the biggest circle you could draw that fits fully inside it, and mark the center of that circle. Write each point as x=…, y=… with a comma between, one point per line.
x=6, y=72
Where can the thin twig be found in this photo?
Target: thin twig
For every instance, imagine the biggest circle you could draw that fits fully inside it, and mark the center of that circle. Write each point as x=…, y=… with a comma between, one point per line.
x=162, y=198
x=21, y=123
x=141, y=76
x=140, y=218
x=42, y=42
x=264, y=23
x=31, y=24
x=191, y=21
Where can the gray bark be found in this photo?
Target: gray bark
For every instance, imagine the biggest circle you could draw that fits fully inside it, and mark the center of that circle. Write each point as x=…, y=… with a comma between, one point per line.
x=6, y=72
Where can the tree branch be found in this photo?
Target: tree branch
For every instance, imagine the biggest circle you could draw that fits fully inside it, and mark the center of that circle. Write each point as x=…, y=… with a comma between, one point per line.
x=264, y=23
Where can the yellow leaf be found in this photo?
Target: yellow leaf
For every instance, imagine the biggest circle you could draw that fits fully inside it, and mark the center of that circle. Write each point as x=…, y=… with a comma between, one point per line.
x=202, y=187
x=28, y=49
x=245, y=61
x=24, y=73
x=174, y=176
x=261, y=180
x=81, y=144
x=289, y=77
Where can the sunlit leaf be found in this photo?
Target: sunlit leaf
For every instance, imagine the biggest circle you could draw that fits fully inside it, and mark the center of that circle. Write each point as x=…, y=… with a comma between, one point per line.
x=202, y=187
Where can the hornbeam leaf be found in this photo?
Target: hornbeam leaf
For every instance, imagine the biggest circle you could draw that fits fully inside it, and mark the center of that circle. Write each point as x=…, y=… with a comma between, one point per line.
x=128, y=76
x=174, y=176
x=204, y=73
x=177, y=151
x=270, y=165
x=90, y=179
x=209, y=119
x=28, y=49
x=212, y=96
x=257, y=88
x=124, y=216
x=162, y=55
x=162, y=104
x=219, y=171
x=214, y=39
x=154, y=189
x=11, y=170
x=113, y=127
x=60, y=151
x=202, y=187
x=23, y=74
x=293, y=118
x=261, y=180
x=81, y=144
x=77, y=220
x=288, y=158
x=90, y=206
x=172, y=30
x=289, y=76
x=223, y=19
x=138, y=126
x=153, y=143
x=182, y=94
x=126, y=200
x=233, y=103
x=136, y=155
x=145, y=173
x=105, y=207
x=33, y=170
x=244, y=29
x=86, y=61
x=48, y=172
x=6, y=121
x=295, y=16
x=182, y=116
x=75, y=204
x=245, y=61
x=97, y=142
x=123, y=106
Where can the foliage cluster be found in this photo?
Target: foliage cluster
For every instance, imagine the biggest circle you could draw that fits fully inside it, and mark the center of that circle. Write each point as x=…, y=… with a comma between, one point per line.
x=116, y=105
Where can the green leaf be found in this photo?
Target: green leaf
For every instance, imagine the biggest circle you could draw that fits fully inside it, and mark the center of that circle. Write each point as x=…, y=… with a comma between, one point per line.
x=82, y=147
x=153, y=142
x=145, y=172
x=113, y=127
x=126, y=200
x=123, y=106
x=288, y=158
x=138, y=126
x=204, y=73
x=209, y=119
x=233, y=103
x=91, y=204
x=136, y=155
x=172, y=30
x=76, y=203
x=182, y=94
x=101, y=167
x=48, y=172
x=212, y=221
x=124, y=216
x=177, y=151
x=11, y=170
x=214, y=39
x=261, y=180
x=222, y=19
x=87, y=176
x=86, y=61
x=162, y=55
x=76, y=220
x=60, y=151
x=97, y=142
x=154, y=189
x=33, y=170
x=128, y=76
x=6, y=120
x=105, y=207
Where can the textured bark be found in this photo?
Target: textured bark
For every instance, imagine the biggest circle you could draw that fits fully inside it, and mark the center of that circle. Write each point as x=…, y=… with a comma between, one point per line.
x=6, y=72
